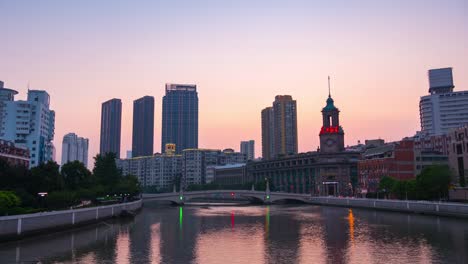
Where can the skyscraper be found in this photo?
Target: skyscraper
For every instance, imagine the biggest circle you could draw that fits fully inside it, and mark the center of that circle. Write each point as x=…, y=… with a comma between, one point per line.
x=143, y=126
x=180, y=117
x=29, y=123
x=74, y=148
x=443, y=109
x=279, y=128
x=111, y=118
x=248, y=148
x=268, y=132
x=285, y=124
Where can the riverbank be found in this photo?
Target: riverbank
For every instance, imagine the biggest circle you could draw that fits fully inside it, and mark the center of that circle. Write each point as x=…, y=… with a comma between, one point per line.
x=419, y=207
x=19, y=226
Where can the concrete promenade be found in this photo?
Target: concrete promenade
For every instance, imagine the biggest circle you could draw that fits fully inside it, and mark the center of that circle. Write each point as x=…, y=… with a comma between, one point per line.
x=421, y=207
x=17, y=226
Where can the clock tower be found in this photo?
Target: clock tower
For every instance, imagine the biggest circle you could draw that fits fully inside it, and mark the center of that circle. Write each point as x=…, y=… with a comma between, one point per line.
x=332, y=134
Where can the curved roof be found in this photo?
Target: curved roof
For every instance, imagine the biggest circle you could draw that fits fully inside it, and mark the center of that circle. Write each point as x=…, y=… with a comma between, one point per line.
x=330, y=105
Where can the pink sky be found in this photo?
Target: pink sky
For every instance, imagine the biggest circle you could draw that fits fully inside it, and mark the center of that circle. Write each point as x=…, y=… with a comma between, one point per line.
x=240, y=57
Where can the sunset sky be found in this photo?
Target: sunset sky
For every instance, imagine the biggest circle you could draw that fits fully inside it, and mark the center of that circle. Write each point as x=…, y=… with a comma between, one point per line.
x=240, y=54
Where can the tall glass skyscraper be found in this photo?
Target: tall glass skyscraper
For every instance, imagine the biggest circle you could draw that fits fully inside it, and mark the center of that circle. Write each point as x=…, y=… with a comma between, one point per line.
x=143, y=126
x=180, y=117
x=111, y=118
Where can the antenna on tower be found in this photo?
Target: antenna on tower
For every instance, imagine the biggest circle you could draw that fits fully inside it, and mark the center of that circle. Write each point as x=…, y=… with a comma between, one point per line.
x=329, y=93
x=28, y=85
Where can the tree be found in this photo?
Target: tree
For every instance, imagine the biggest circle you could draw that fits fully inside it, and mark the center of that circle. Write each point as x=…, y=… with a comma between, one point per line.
x=386, y=184
x=433, y=182
x=76, y=175
x=105, y=170
x=46, y=178
x=8, y=201
x=128, y=185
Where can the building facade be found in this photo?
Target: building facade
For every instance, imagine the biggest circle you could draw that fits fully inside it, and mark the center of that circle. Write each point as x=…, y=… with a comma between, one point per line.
x=457, y=141
x=279, y=128
x=196, y=163
x=143, y=127
x=443, y=109
x=29, y=124
x=229, y=175
x=268, y=133
x=160, y=171
x=180, y=117
x=75, y=148
x=13, y=155
x=285, y=125
x=111, y=120
x=248, y=148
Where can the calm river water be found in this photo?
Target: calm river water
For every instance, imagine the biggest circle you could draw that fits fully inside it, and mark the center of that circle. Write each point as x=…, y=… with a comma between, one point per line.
x=252, y=234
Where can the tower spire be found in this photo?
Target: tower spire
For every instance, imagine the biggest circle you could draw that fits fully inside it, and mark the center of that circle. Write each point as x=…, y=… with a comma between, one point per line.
x=329, y=93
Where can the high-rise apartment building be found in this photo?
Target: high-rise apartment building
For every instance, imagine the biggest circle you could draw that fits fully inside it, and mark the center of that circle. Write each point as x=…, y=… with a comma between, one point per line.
x=248, y=148
x=160, y=171
x=285, y=121
x=111, y=118
x=279, y=128
x=29, y=123
x=180, y=117
x=268, y=132
x=443, y=109
x=75, y=148
x=143, y=126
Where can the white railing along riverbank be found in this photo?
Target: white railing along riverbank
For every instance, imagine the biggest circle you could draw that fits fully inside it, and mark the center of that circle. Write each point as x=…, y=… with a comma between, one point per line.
x=20, y=225
x=422, y=207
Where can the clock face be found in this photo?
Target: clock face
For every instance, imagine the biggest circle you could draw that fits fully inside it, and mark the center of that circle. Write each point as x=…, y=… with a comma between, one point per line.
x=330, y=142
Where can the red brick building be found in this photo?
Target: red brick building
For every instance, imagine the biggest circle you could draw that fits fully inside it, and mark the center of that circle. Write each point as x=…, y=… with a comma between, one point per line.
x=13, y=155
x=395, y=159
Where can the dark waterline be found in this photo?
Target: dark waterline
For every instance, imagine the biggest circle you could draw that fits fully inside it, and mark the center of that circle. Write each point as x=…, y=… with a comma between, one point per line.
x=253, y=234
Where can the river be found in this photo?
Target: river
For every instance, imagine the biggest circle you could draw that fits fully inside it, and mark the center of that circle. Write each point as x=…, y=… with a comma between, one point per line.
x=252, y=234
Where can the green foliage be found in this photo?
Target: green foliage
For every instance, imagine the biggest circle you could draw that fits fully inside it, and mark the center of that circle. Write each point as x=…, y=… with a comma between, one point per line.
x=8, y=201
x=76, y=175
x=105, y=170
x=433, y=182
x=127, y=185
x=46, y=178
x=387, y=184
x=61, y=199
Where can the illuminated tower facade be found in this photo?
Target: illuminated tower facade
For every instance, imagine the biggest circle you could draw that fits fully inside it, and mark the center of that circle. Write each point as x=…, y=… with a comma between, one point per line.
x=331, y=134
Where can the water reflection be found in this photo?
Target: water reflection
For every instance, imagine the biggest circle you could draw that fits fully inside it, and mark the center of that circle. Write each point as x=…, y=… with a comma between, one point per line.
x=254, y=234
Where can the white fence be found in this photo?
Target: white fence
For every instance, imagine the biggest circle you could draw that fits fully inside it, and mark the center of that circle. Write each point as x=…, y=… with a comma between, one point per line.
x=17, y=225
x=423, y=207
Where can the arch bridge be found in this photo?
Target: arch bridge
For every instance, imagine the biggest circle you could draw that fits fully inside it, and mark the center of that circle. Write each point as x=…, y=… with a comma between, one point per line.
x=266, y=197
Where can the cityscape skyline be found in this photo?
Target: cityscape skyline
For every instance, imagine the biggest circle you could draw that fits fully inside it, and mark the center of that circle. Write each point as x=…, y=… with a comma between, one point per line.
x=226, y=76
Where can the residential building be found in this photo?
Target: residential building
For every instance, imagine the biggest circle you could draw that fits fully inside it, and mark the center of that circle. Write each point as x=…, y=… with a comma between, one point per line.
x=285, y=125
x=248, y=148
x=111, y=118
x=143, y=126
x=160, y=170
x=457, y=140
x=279, y=128
x=13, y=155
x=180, y=117
x=443, y=109
x=75, y=148
x=268, y=133
x=28, y=124
x=195, y=162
